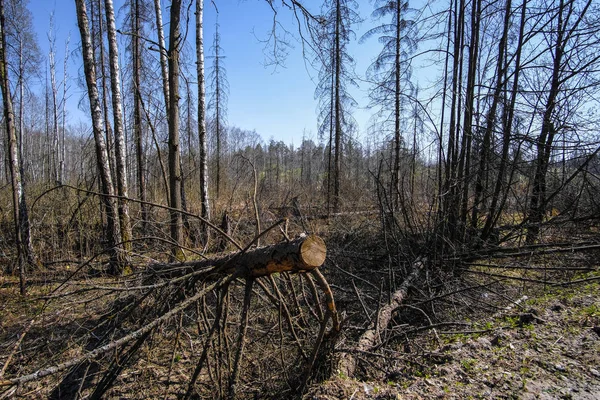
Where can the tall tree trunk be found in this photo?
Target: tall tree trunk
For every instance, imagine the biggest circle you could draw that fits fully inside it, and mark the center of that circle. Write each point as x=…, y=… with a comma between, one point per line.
x=330, y=174
x=24, y=224
x=89, y=66
x=451, y=200
x=545, y=140
x=55, y=147
x=464, y=169
x=105, y=92
x=62, y=144
x=218, y=132
x=173, y=117
x=443, y=162
x=13, y=162
x=120, y=146
x=397, y=109
x=337, y=164
x=137, y=110
x=507, y=120
x=491, y=118
x=203, y=143
x=164, y=65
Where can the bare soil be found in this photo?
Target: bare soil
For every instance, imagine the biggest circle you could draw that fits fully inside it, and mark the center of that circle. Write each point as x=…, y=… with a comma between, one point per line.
x=545, y=346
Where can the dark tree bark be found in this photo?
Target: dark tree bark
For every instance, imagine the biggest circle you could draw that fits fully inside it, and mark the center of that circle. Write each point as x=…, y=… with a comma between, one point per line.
x=464, y=167
x=497, y=205
x=491, y=117
x=137, y=109
x=173, y=118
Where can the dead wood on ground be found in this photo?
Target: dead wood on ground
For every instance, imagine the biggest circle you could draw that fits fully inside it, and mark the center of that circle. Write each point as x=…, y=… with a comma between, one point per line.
x=348, y=361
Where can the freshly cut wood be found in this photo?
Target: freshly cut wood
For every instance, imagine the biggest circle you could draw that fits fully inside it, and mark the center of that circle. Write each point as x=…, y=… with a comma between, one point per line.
x=347, y=363
x=303, y=254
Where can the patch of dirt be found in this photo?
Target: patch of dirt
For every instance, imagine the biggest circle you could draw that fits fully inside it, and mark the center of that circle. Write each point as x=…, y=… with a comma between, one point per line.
x=546, y=347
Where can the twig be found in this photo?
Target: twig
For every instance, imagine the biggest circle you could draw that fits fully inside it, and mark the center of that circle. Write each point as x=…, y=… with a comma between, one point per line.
x=117, y=343
x=319, y=312
x=347, y=363
x=241, y=338
x=514, y=278
x=594, y=278
x=16, y=347
x=173, y=354
x=206, y=346
x=362, y=303
x=328, y=297
x=286, y=312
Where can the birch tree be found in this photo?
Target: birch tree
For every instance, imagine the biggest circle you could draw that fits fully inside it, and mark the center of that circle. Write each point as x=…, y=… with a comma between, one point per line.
x=120, y=164
x=27, y=56
x=113, y=227
x=13, y=161
x=203, y=143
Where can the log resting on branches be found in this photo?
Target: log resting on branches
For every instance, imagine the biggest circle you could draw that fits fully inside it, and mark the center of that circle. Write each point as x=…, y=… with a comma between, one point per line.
x=303, y=254
x=347, y=363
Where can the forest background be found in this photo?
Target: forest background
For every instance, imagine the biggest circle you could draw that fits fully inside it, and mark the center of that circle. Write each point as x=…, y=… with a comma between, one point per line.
x=427, y=133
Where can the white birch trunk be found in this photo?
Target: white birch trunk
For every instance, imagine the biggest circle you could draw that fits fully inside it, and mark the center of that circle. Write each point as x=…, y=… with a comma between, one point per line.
x=202, y=112
x=97, y=123
x=120, y=149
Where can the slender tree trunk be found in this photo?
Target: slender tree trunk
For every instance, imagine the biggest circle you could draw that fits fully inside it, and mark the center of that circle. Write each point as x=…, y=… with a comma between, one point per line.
x=102, y=158
x=105, y=93
x=337, y=164
x=451, y=200
x=164, y=66
x=13, y=162
x=546, y=138
x=496, y=207
x=119, y=130
x=218, y=115
x=203, y=143
x=93, y=21
x=137, y=110
x=330, y=174
x=62, y=144
x=397, y=109
x=464, y=169
x=55, y=147
x=48, y=146
x=443, y=162
x=491, y=118
x=173, y=117
x=24, y=224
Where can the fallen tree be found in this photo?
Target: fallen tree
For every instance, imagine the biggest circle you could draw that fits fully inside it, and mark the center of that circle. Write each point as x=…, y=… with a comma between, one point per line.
x=203, y=292
x=299, y=255
x=347, y=362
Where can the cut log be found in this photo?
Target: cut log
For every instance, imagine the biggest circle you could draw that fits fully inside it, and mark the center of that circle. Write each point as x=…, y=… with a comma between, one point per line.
x=347, y=362
x=303, y=254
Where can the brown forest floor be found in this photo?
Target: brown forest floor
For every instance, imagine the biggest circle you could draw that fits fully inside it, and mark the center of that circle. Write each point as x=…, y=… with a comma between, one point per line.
x=509, y=337
x=547, y=347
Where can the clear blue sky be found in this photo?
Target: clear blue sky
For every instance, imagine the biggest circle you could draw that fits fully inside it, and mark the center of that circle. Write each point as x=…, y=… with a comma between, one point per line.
x=278, y=103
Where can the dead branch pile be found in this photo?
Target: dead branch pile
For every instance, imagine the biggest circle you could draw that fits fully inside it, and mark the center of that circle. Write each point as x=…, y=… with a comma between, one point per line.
x=202, y=328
